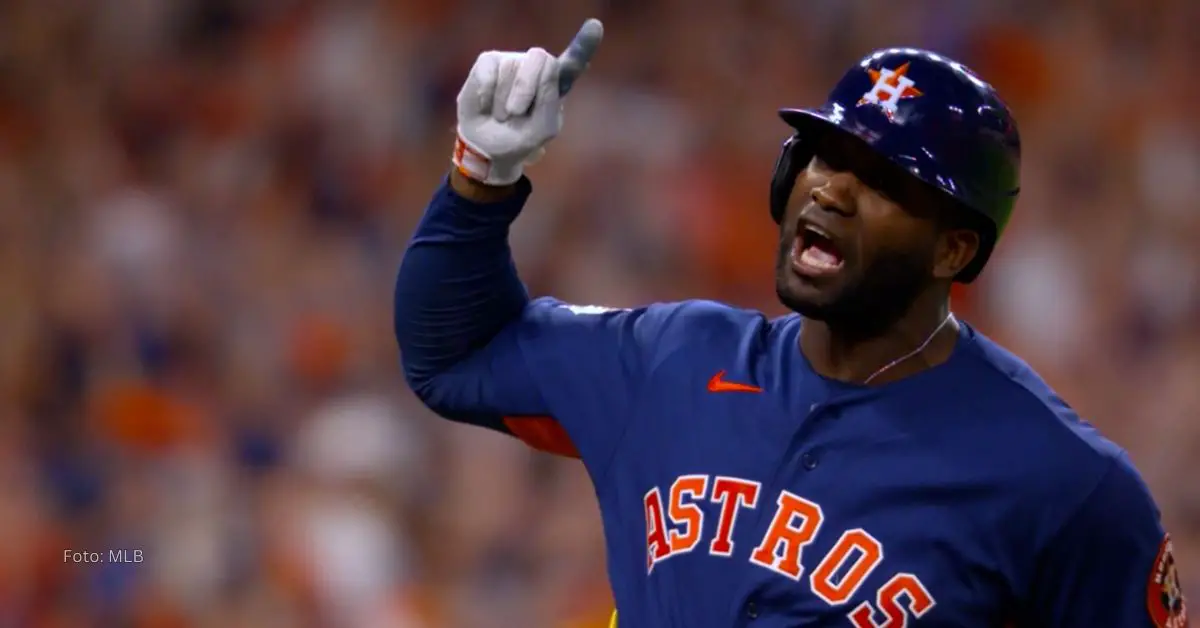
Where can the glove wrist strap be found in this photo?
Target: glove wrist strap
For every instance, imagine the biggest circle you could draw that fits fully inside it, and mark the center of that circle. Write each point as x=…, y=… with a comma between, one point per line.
x=473, y=164
x=470, y=163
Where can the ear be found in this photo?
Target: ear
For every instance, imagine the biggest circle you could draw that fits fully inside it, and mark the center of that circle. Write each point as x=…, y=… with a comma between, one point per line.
x=955, y=249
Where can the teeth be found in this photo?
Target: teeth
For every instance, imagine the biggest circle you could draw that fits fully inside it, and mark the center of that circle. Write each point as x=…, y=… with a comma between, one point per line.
x=819, y=231
x=817, y=258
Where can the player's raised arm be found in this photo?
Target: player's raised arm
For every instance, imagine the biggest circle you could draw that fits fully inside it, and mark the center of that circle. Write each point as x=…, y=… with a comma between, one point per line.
x=474, y=346
x=1111, y=565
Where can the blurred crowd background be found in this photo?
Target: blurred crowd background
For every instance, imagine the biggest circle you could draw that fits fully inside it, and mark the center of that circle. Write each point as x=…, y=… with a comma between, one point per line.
x=203, y=204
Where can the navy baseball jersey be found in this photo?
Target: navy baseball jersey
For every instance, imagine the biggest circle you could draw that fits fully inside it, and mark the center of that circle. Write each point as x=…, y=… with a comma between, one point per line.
x=740, y=488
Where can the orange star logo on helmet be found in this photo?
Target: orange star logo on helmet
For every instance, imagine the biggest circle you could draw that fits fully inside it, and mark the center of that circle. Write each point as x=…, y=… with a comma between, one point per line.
x=889, y=88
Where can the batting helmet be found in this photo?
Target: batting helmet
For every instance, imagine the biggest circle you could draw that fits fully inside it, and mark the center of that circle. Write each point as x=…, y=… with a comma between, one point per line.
x=932, y=117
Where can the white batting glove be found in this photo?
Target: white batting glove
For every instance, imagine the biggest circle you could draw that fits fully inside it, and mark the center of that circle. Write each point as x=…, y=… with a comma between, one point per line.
x=511, y=105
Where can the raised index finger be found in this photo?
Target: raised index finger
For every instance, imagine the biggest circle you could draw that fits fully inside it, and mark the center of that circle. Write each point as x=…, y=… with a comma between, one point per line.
x=579, y=54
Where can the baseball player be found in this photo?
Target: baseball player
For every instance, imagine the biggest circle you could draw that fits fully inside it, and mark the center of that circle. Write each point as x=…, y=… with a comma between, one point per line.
x=869, y=460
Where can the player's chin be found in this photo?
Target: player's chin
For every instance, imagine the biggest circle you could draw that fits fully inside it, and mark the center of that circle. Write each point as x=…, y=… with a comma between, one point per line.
x=811, y=297
x=810, y=285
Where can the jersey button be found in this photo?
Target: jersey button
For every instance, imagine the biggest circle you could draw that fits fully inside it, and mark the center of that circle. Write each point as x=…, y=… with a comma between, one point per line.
x=751, y=610
x=809, y=460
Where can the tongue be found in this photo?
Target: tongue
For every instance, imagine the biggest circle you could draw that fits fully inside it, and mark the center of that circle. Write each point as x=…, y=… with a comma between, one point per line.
x=825, y=252
x=820, y=257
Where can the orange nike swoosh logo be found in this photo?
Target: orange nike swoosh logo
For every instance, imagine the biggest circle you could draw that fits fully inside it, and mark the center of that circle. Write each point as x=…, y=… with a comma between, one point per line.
x=718, y=384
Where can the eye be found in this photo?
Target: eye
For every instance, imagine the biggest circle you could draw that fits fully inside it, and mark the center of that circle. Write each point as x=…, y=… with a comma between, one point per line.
x=831, y=154
x=883, y=193
x=877, y=181
x=881, y=178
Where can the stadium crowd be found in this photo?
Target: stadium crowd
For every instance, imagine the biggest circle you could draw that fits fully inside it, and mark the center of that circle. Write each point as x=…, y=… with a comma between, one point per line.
x=203, y=204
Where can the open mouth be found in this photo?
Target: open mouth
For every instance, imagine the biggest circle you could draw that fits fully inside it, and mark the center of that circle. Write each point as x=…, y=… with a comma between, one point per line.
x=815, y=254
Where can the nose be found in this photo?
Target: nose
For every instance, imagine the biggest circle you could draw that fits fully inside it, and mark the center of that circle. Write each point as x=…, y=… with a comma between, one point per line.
x=836, y=193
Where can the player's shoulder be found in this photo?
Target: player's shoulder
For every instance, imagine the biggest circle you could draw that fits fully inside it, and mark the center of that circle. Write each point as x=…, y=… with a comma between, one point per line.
x=1051, y=459
x=1048, y=429
x=687, y=330
x=692, y=316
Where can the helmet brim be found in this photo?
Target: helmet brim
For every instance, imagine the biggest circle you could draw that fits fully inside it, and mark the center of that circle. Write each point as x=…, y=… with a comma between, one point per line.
x=807, y=119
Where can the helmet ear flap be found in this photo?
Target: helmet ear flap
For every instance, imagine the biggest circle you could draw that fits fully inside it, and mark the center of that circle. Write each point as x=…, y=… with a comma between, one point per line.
x=793, y=157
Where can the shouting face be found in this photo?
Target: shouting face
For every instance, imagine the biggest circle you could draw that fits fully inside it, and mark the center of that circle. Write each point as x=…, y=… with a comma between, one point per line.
x=861, y=239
